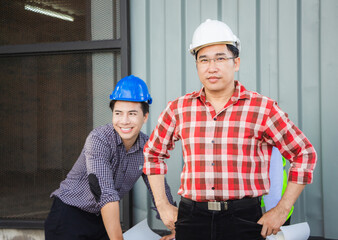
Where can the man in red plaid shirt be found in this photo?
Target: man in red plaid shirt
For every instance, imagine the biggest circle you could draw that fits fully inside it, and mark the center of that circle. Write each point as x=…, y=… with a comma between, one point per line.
x=227, y=135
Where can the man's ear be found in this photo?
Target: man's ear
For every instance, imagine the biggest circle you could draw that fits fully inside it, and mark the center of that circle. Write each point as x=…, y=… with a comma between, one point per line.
x=237, y=63
x=145, y=118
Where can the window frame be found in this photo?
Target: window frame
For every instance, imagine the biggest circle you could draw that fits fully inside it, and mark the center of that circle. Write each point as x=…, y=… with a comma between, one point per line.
x=123, y=45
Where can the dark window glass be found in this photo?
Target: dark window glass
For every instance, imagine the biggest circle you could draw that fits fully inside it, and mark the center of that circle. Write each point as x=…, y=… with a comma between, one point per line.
x=56, y=77
x=46, y=113
x=28, y=21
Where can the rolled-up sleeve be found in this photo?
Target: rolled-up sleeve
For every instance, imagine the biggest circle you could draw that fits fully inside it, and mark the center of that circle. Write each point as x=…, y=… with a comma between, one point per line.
x=293, y=145
x=160, y=142
x=98, y=155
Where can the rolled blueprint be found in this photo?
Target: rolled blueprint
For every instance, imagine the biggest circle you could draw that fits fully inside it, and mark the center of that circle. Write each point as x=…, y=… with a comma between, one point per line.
x=299, y=231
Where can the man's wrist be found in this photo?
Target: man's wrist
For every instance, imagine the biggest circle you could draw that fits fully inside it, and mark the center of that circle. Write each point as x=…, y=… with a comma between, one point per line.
x=284, y=207
x=117, y=236
x=162, y=203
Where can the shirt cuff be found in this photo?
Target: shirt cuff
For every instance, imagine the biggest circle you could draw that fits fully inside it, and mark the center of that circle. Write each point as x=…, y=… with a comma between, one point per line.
x=158, y=168
x=300, y=177
x=107, y=199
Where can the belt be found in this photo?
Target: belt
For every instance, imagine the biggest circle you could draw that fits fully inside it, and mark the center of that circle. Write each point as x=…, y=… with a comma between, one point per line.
x=223, y=205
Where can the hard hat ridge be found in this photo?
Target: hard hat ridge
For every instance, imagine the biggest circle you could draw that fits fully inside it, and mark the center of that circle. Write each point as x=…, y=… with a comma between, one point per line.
x=131, y=89
x=212, y=32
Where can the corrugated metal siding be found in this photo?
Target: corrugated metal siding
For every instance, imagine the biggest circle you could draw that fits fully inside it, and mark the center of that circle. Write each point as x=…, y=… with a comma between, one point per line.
x=289, y=53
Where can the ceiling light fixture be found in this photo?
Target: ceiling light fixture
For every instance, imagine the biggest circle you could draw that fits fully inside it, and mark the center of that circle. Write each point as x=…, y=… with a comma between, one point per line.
x=49, y=13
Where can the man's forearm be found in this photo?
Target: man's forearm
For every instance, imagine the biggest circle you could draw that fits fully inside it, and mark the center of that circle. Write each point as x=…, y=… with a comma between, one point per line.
x=111, y=219
x=158, y=188
x=291, y=194
x=168, y=212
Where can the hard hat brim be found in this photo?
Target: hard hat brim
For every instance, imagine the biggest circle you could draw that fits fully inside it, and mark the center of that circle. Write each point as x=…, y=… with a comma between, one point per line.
x=194, y=50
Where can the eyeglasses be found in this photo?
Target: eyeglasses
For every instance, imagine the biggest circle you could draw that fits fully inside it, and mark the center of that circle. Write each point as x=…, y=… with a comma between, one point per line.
x=218, y=60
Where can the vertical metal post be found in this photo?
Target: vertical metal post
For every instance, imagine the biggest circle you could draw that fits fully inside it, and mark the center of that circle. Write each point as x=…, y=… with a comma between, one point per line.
x=125, y=38
x=126, y=203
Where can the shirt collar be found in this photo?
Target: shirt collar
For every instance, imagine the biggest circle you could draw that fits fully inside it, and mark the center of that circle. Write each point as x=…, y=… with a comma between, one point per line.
x=239, y=93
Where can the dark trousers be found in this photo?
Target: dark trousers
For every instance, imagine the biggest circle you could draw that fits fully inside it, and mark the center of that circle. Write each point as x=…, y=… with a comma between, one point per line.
x=238, y=222
x=65, y=222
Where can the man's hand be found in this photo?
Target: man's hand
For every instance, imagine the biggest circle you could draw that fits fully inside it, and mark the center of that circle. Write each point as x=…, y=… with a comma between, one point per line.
x=168, y=214
x=273, y=220
x=169, y=237
x=276, y=217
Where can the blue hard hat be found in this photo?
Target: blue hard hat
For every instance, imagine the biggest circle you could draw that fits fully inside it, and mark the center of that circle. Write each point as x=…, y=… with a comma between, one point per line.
x=131, y=89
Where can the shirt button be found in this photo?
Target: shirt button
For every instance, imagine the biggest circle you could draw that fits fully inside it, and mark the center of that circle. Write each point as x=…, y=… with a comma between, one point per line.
x=213, y=188
x=213, y=141
x=212, y=164
x=215, y=118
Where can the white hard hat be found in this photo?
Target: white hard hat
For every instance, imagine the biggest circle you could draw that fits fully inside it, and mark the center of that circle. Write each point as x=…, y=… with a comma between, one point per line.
x=212, y=32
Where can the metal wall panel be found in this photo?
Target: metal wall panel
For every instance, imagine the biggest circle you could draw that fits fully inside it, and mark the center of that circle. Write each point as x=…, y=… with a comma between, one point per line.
x=329, y=116
x=288, y=53
x=309, y=115
x=139, y=61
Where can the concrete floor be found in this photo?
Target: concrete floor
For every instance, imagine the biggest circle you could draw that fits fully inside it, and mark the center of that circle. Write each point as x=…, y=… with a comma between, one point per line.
x=24, y=234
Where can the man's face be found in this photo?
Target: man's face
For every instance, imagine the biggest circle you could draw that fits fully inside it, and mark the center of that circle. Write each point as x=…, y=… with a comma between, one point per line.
x=128, y=119
x=217, y=76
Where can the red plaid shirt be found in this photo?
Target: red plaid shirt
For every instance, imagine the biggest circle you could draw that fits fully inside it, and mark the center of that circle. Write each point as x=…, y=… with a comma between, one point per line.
x=226, y=154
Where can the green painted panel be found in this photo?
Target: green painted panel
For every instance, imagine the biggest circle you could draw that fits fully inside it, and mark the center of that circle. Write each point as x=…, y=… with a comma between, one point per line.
x=287, y=58
x=329, y=113
x=209, y=9
x=139, y=59
x=192, y=20
x=173, y=49
x=267, y=63
x=309, y=95
x=157, y=64
x=247, y=35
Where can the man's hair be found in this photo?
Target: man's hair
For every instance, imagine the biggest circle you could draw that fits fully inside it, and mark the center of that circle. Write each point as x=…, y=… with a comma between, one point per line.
x=144, y=106
x=234, y=50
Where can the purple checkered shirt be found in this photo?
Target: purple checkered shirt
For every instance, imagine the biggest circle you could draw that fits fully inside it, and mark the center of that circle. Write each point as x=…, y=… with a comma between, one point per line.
x=116, y=170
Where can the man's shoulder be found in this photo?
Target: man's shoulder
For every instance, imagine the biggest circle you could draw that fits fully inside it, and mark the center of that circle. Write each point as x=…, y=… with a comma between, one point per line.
x=105, y=133
x=106, y=129
x=253, y=96
x=260, y=96
x=250, y=94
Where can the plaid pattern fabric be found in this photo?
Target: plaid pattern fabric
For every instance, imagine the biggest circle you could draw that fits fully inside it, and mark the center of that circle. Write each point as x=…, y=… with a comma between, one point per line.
x=226, y=154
